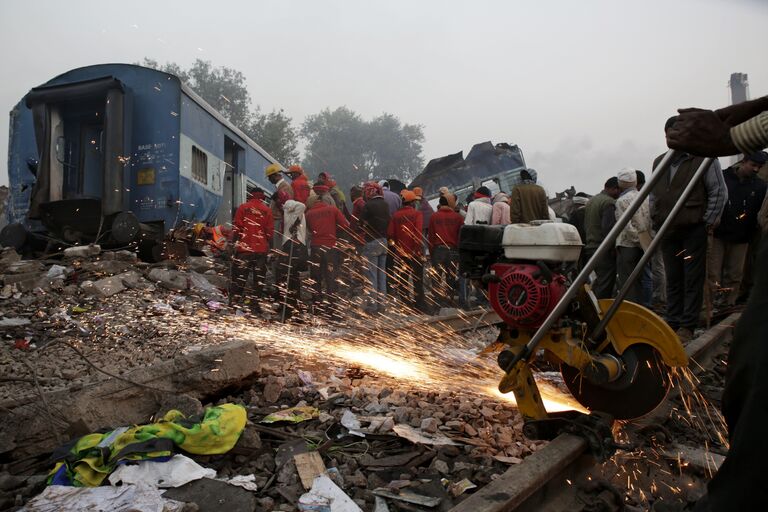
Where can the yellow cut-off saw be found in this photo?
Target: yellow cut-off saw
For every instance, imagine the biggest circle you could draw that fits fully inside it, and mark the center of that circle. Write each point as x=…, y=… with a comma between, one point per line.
x=614, y=355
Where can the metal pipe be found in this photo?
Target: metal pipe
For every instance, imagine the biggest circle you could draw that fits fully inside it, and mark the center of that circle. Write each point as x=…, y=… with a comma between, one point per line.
x=651, y=248
x=603, y=248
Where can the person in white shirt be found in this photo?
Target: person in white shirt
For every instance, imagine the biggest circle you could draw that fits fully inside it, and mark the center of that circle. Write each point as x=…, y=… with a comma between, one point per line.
x=480, y=210
x=635, y=236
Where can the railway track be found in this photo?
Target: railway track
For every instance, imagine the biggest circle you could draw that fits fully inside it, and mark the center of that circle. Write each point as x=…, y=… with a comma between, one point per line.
x=544, y=480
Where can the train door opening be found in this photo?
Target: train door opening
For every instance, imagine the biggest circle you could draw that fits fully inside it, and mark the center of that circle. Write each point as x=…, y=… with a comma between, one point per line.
x=234, y=159
x=85, y=165
x=80, y=131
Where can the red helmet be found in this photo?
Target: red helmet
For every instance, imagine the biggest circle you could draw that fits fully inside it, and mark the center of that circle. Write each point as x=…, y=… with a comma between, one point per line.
x=372, y=189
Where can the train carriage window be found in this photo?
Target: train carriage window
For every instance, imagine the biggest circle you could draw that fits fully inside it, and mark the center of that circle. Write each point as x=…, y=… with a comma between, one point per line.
x=199, y=165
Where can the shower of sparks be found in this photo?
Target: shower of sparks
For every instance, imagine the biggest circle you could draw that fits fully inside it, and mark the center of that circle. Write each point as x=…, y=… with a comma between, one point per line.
x=384, y=363
x=553, y=400
x=434, y=360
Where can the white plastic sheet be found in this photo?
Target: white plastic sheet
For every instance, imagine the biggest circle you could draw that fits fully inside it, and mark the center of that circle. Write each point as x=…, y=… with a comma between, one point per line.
x=127, y=498
x=326, y=496
x=176, y=472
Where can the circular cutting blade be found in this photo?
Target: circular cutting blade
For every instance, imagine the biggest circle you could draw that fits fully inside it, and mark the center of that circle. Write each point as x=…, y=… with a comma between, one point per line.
x=641, y=388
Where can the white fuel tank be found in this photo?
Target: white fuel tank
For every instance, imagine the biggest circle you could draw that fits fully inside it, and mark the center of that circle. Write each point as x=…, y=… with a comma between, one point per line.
x=543, y=240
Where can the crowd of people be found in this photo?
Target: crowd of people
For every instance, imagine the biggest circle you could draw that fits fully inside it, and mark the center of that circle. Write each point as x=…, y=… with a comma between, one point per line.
x=706, y=254
x=389, y=248
x=397, y=248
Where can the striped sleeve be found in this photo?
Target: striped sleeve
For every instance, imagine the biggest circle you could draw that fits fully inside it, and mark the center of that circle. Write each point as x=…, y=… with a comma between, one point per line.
x=751, y=135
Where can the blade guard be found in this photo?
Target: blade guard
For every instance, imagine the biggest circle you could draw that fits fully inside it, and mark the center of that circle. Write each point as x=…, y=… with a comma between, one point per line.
x=635, y=324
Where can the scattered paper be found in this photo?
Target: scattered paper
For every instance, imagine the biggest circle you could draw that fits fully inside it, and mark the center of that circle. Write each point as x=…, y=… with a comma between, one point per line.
x=175, y=472
x=126, y=498
x=247, y=482
x=420, y=437
x=326, y=496
x=408, y=497
x=351, y=423
x=292, y=415
x=458, y=488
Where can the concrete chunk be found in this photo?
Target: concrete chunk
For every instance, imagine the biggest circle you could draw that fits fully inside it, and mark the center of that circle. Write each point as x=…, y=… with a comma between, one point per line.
x=133, y=279
x=110, y=402
x=110, y=267
x=105, y=287
x=25, y=267
x=82, y=251
x=24, y=282
x=128, y=256
x=171, y=279
x=7, y=256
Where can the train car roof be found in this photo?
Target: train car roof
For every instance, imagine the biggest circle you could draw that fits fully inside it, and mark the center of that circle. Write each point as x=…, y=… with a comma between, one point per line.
x=186, y=90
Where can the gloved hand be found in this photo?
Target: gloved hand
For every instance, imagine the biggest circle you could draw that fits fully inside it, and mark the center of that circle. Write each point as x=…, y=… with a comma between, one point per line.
x=701, y=133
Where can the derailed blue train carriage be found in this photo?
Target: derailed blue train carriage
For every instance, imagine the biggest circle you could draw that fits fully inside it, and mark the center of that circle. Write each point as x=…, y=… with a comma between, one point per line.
x=119, y=153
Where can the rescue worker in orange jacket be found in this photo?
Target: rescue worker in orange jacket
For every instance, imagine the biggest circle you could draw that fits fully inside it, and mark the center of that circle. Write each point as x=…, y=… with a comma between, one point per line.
x=323, y=224
x=216, y=237
x=253, y=231
x=443, y=238
x=405, y=237
x=299, y=184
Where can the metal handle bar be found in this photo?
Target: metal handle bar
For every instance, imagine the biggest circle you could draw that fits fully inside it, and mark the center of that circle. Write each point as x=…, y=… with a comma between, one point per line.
x=651, y=248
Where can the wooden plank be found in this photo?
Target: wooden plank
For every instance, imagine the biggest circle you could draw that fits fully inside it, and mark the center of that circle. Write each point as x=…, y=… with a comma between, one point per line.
x=309, y=465
x=408, y=497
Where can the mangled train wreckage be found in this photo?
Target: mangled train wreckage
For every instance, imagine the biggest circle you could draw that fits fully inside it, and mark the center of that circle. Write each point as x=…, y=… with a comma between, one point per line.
x=494, y=166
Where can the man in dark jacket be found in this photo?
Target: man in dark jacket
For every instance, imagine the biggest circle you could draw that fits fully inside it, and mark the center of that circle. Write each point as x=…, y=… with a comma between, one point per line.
x=374, y=220
x=599, y=218
x=684, y=246
x=394, y=202
x=404, y=233
x=527, y=201
x=738, y=224
x=741, y=483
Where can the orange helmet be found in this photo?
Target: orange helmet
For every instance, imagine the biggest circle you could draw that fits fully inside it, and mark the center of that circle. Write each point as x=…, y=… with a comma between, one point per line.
x=295, y=169
x=408, y=196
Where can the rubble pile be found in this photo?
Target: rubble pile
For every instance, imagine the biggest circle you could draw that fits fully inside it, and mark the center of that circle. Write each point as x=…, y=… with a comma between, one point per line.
x=123, y=314
x=98, y=340
x=68, y=324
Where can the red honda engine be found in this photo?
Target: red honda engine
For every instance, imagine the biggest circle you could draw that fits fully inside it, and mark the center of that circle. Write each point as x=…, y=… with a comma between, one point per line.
x=524, y=294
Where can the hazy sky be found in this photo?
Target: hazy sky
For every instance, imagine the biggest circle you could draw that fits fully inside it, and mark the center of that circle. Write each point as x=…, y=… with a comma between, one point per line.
x=582, y=86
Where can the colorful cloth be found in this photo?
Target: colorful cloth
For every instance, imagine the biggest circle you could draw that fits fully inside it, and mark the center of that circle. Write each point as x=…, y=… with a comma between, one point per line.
x=87, y=461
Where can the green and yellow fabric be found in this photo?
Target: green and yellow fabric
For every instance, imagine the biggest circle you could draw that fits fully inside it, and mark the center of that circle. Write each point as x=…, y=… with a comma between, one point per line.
x=87, y=461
